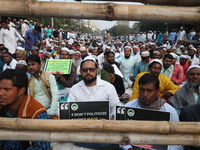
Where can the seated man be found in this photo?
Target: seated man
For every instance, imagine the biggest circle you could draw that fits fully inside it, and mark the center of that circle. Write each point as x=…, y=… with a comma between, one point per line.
x=167, y=87
x=190, y=113
x=188, y=94
x=148, y=98
x=167, y=68
x=42, y=85
x=14, y=102
x=91, y=88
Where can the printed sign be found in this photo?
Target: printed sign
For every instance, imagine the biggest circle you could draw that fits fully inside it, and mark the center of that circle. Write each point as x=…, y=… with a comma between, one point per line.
x=131, y=113
x=84, y=110
x=63, y=66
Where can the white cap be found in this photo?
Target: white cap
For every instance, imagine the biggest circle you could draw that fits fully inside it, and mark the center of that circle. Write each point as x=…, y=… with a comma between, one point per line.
x=182, y=46
x=89, y=58
x=65, y=49
x=20, y=48
x=184, y=56
x=193, y=48
x=173, y=55
x=71, y=52
x=145, y=54
x=21, y=62
x=193, y=66
x=82, y=49
x=156, y=60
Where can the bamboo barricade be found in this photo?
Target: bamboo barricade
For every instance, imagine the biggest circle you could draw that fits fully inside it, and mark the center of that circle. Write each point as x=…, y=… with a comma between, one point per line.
x=101, y=131
x=158, y=2
x=101, y=11
x=159, y=127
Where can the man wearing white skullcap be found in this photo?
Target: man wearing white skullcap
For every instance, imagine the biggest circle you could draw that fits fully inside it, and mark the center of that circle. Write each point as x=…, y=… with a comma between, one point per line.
x=127, y=63
x=167, y=87
x=192, y=53
x=188, y=94
x=143, y=65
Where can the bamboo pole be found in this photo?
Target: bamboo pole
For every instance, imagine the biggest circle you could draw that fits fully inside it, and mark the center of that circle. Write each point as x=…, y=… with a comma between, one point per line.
x=101, y=11
x=159, y=2
x=99, y=137
x=160, y=127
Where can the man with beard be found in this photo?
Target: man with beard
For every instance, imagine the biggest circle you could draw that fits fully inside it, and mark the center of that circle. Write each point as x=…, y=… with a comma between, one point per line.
x=110, y=59
x=188, y=94
x=167, y=87
x=16, y=103
x=148, y=98
x=42, y=85
x=127, y=63
x=92, y=88
x=167, y=68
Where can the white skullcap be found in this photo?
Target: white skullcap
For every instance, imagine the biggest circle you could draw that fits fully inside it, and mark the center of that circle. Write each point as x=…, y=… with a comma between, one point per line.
x=108, y=47
x=173, y=55
x=145, y=54
x=21, y=62
x=156, y=52
x=77, y=52
x=182, y=46
x=20, y=48
x=184, y=56
x=193, y=48
x=128, y=47
x=82, y=49
x=65, y=49
x=155, y=60
x=193, y=66
x=89, y=58
x=142, y=46
x=71, y=52
x=99, y=43
x=191, y=45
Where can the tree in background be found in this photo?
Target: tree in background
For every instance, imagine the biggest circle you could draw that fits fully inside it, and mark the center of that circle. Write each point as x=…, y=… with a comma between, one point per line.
x=120, y=30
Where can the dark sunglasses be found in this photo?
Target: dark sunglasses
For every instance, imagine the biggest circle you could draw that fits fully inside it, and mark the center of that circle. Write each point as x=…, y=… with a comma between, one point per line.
x=90, y=69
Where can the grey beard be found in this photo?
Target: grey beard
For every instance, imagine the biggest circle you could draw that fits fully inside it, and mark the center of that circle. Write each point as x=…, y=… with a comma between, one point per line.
x=194, y=86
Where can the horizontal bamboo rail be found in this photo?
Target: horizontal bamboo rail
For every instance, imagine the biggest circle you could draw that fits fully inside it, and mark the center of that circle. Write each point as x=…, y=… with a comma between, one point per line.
x=99, y=137
x=101, y=11
x=158, y=2
x=159, y=127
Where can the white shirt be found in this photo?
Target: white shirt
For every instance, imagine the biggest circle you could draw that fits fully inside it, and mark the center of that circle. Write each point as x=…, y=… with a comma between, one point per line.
x=8, y=38
x=195, y=60
x=102, y=91
x=12, y=65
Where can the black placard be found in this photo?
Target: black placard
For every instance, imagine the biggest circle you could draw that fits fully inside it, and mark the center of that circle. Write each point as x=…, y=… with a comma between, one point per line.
x=131, y=113
x=84, y=110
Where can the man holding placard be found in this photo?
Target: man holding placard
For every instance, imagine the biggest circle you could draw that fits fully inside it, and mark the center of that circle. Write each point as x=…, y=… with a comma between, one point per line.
x=148, y=99
x=91, y=88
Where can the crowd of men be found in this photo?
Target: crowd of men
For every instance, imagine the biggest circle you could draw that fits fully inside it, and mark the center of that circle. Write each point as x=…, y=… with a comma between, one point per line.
x=162, y=75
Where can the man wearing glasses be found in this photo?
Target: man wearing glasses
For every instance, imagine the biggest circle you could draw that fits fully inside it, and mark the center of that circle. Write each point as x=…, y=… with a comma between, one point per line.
x=92, y=88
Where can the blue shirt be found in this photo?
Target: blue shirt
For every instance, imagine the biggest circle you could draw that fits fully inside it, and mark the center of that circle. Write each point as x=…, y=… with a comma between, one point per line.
x=172, y=36
x=32, y=38
x=16, y=145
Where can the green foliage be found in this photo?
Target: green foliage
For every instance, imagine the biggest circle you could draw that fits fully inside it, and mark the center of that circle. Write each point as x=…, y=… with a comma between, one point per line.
x=120, y=30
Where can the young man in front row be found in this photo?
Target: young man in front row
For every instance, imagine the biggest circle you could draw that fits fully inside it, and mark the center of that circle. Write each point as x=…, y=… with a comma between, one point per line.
x=16, y=103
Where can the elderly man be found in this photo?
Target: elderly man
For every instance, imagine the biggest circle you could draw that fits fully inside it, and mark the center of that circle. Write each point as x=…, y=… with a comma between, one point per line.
x=167, y=87
x=188, y=94
x=148, y=98
x=127, y=63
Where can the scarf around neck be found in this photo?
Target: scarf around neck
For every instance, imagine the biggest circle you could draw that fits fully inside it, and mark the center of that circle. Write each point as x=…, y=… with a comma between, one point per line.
x=155, y=105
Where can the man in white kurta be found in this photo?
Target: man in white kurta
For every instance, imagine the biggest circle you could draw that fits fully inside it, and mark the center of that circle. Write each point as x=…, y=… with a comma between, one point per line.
x=8, y=37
